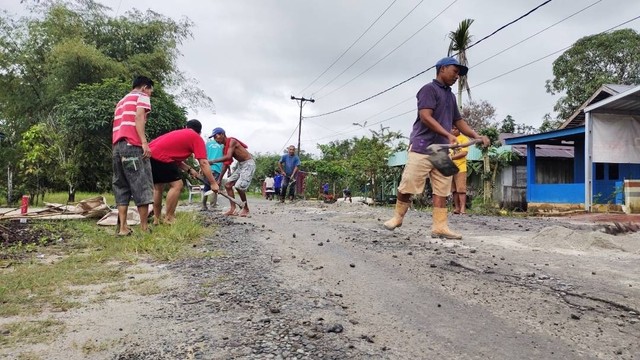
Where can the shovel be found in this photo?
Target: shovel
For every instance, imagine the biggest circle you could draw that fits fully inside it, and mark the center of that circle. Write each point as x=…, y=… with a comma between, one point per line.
x=439, y=156
x=210, y=192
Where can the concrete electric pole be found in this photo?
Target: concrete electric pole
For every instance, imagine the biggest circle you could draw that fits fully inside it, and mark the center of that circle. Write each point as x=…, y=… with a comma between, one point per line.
x=301, y=101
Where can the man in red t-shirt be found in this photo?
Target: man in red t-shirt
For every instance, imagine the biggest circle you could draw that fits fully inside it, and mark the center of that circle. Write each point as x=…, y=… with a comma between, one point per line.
x=168, y=153
x=131, y=166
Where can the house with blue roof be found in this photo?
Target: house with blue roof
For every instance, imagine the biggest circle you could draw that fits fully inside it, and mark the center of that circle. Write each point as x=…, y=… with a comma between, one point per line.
x=604, y=134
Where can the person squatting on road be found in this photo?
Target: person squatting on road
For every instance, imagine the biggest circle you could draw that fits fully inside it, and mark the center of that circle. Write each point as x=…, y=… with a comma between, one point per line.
x=291, y=162
x=131, y=166
x=459, y=181
x=214, y=151
x=168, y=153
x=437, y=112
x=241, y=177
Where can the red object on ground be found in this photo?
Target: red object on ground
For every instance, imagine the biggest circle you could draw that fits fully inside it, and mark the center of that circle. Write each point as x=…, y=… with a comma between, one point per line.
x=24, y=207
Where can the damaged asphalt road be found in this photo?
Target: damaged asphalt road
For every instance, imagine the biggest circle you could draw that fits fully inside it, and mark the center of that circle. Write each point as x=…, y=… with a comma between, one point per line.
x=325, y=281
x=311, y=280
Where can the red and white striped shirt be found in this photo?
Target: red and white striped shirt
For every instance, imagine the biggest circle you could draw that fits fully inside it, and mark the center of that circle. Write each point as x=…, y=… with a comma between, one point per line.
x=124, y=118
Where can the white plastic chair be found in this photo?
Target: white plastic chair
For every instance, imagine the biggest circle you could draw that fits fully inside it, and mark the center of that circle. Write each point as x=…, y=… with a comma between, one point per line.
x=194, y=190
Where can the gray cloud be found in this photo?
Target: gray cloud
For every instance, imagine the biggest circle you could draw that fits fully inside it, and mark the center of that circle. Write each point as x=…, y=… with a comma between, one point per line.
x=251, y=55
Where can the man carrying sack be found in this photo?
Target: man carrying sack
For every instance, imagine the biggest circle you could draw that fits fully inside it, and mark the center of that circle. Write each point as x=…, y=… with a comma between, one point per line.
x=437, y=113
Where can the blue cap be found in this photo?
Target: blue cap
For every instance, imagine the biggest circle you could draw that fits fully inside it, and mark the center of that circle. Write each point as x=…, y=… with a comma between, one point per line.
x=217, y=131
x=452, y=61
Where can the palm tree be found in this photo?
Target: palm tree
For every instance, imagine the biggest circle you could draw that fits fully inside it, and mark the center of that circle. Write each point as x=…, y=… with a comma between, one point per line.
x=460, y=40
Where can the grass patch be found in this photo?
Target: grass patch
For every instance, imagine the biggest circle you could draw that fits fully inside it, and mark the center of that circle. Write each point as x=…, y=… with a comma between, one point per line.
x=93, y=346
x=146, y=287
x=30, y=332
x=29, y=355
x=93, y=255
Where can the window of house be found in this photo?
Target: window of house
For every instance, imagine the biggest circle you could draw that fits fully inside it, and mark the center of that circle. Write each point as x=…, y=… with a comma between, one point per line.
x=599, y=171
x=614, y=172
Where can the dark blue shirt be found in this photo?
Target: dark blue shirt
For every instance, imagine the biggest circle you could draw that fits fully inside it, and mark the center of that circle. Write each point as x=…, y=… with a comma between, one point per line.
x=277, y=181
x=442, y=101
x=290, y=163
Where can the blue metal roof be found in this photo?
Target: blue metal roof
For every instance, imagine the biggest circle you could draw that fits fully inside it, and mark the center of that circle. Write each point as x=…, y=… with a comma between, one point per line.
x=548, y=137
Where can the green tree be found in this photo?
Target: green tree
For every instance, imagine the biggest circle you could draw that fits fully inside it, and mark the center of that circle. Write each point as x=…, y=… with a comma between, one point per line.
x=460, y=40
x=592, y=61
x=39, y=158
x=508, y=125
x=266, y=164
x=48, y=56
x=84, y=118
x=548, y=124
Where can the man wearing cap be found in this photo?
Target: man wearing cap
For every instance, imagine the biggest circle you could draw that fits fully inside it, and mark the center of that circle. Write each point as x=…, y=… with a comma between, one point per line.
x=241, y=177
x=437, y=113
x=168, y=153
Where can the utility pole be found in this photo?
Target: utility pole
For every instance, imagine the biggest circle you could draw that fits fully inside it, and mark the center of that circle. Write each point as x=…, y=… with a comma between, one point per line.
x=301, y=101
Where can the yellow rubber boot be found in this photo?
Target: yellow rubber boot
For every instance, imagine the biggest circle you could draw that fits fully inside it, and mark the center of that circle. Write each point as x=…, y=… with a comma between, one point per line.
x=440, y=229
x=396, y=220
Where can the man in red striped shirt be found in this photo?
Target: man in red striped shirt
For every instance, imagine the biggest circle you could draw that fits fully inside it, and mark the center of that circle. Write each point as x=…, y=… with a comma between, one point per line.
x=131, y=166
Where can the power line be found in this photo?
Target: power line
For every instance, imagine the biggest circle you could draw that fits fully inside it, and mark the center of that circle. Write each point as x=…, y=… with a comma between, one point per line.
x=413, y=110
x=482, y=83
x=290, y=136
x=550, y=54
x=370, y=48
x=536, y=34
x=349, y=48
x=423, y=71
x=348, y=129
x=392, y=51
x=508, y=24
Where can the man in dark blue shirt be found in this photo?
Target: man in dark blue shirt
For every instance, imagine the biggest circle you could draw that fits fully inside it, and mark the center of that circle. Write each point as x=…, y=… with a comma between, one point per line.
x=288, y=166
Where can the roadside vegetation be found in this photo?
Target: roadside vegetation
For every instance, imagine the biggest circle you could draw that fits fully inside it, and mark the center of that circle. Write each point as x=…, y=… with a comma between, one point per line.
x=51, y=271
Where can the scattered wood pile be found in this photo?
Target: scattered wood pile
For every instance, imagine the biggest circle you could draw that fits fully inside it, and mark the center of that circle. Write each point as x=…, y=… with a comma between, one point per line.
x=92, y=208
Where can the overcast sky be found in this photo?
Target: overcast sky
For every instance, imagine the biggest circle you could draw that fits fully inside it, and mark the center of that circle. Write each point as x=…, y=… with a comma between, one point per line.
x=250, y=56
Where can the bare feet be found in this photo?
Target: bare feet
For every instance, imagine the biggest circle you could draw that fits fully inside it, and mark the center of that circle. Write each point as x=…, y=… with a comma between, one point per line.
x=126, y=232
x=156, y=220
x=231, y=212
x=244, y=213
x=169, y=220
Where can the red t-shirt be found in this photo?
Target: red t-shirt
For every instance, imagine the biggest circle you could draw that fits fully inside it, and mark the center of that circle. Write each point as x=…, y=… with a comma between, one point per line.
x=124, y=117
x=178, y=145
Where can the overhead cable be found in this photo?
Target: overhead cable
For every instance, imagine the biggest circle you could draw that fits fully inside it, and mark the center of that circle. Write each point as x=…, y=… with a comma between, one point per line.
x=536, y=34
x=413, y=110
x=392, y=51
x=290, y=136
x=349, y=48
x=482, y=83
x=370, y=48
x=423, y=71
x=553, y=53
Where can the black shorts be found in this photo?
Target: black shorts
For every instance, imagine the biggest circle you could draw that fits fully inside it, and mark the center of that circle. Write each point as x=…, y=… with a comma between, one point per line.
x=164, y=173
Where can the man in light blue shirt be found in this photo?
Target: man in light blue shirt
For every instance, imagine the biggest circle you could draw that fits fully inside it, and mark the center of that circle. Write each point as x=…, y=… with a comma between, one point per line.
x=288, y=166
x=214, y=151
